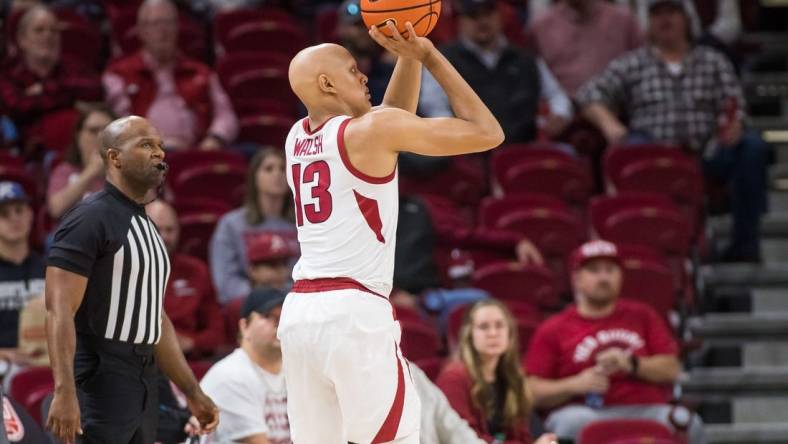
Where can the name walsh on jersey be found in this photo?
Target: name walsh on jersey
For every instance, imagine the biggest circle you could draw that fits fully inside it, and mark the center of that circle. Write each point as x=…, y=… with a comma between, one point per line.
x=309, y=147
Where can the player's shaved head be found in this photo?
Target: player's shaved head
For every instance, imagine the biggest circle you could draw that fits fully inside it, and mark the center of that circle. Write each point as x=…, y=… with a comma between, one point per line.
x=310, y=64
x=119, y=131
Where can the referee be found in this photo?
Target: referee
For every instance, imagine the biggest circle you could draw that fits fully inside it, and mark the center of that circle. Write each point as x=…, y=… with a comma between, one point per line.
x=105, y=281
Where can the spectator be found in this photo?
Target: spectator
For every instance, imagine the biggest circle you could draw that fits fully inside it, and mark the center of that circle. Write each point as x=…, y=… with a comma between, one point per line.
x=180, y=96
x=17, y=425
x=486, y=385
x=248, y=386
x=189, y=301
x=268, y=207
x=82, y=171
x=372, y=60
x=578, y=38
x=440, y=424
x=677, y=93
x=726, y=27
x=618, y=357
x=39, y=82
x=21, y=269
x=269, y=256
x=508, y=80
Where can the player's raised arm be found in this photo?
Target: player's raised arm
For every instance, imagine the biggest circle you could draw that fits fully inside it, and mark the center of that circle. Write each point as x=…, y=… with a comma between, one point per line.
x=473, y=129
x=403, y=89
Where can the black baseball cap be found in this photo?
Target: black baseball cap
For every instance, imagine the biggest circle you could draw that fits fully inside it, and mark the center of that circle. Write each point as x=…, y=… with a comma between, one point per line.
x=262, y=301
x=473, y=7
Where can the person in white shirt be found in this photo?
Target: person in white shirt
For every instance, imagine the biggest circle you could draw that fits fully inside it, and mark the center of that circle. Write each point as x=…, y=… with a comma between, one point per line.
x=248, y=385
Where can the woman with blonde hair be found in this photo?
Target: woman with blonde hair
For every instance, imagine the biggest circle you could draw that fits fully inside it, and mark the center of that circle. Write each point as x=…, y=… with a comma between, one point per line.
x=485, y=384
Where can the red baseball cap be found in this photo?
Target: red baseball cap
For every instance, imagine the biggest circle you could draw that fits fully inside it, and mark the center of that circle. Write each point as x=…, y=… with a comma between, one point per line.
x=595, y=249
x=263, y=247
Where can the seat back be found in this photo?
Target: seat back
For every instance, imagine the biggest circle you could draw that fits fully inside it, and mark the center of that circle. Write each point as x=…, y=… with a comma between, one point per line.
x=607, y=431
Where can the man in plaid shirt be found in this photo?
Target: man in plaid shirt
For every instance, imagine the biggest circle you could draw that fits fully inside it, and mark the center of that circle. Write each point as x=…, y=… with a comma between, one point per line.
x=674, y=92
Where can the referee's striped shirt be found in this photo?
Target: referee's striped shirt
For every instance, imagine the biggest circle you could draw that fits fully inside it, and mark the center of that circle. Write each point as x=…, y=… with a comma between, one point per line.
x=109, y=239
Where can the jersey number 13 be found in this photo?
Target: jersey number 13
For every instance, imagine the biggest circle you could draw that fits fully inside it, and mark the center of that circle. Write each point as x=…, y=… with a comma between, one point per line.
x=318, y=176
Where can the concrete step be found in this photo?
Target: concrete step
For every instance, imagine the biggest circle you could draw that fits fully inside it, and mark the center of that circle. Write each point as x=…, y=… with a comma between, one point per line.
x=736, y=380
x=773, y=225
x=750, y=355
x=764, y=433
x=740, y=327
x=745, y=275
x=760, y=409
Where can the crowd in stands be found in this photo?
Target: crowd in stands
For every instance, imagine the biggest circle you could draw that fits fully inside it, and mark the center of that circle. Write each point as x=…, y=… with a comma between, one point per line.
x=516, y=318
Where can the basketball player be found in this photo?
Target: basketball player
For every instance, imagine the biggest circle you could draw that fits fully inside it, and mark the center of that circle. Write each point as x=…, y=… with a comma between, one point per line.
x=346, y=378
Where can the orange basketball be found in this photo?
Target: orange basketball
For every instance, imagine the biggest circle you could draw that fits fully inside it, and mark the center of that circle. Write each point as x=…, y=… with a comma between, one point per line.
x=423, y=14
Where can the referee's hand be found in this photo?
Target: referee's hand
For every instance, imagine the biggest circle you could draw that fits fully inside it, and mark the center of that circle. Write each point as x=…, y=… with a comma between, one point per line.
x=64, y=419
x=206, y=412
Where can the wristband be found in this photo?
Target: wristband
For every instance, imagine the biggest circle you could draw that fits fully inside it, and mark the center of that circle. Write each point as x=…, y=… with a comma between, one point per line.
x=634, y=362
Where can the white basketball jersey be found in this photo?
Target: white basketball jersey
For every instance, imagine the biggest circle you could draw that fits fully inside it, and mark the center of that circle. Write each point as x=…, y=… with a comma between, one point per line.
x=347, y=221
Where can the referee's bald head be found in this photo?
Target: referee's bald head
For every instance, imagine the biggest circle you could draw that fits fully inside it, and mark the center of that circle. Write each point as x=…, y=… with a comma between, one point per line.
x=117, y=132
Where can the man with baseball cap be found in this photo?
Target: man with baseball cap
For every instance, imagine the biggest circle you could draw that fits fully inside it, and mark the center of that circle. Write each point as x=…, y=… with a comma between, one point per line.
x=269, y=256
x=21, y=269
x=604, y=357
x=248, y=386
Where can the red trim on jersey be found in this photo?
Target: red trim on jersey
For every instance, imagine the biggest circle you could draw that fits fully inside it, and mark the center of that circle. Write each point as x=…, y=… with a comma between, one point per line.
x=329, y=284
x=305, y=124
x=388, y=431
x=371, y=212
x=350, y=167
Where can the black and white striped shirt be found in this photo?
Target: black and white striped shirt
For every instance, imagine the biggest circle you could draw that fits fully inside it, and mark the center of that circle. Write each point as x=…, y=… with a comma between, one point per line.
x=109, y=239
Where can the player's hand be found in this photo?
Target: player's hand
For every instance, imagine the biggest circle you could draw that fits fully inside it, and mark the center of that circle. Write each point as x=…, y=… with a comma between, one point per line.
x=614, y=360
x=206, y=412
x=591, y=380
x=64, y=419
x=413, y=47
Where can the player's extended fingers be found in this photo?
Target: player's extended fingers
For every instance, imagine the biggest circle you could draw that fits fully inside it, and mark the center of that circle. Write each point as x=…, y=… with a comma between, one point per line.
x=411, y=32
x=379, y=37
x=394, y=32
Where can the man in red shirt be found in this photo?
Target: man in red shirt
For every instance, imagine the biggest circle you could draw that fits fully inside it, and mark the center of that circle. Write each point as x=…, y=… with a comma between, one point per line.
x=190, y=300
x=604, y=358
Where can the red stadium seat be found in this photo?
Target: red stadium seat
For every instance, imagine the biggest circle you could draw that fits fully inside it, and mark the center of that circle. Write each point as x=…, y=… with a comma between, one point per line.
x=657, y=169
x=186, y=205
x=607, y=431
x=430, y=366
x=525, y=331
x=56, y=128
x=200, y=368
x=463, y=181
x=225, y=182
x=408, y=314
x=326, y=22
x=642, y=218
x=648, y=278
x=232, y=314
x=419, y=341
x=539, y=169
x=548, y=223
x=493, y=208
x=196, y=232
x=282, y=37
x=30, y=386
x=225, y=22
x=266, y=129
x=270, y=83
x=513, y=281
x=179, y=161
x=10, y=160
x=81, y=40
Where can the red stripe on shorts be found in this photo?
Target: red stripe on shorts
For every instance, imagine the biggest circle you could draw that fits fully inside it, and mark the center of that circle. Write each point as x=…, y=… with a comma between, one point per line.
x=388, y=431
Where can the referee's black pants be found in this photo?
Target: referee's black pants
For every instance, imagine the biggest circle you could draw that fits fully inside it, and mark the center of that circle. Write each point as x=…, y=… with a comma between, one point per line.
x=117, y=391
